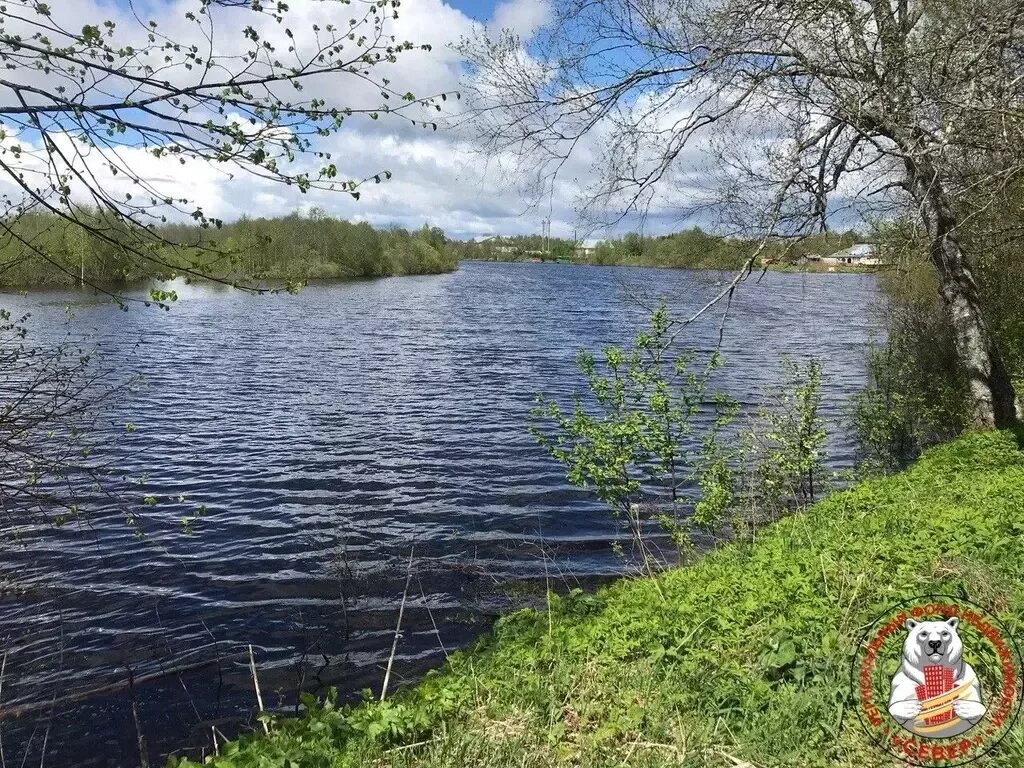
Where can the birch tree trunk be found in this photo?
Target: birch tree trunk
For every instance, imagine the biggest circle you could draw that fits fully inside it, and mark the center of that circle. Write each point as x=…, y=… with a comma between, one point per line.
x=993, y=399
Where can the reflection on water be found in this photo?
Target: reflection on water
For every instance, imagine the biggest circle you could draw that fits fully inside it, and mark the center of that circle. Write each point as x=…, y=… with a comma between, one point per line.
x=327, y=432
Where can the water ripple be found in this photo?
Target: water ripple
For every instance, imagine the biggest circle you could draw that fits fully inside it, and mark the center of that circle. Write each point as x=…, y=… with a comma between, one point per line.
x=327, y=432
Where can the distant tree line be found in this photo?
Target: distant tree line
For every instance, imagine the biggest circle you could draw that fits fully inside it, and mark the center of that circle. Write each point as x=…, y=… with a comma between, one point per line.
x=696, y=249
x=691, y=249
x=41, y=249
x=517, y=248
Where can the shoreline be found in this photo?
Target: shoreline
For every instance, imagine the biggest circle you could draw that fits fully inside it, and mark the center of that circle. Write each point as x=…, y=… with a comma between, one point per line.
x=807, y=269
x=256, y=287
x=755, y=636
x=105, y=288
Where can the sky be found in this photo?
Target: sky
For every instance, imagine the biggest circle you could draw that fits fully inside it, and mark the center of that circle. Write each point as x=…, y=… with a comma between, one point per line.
x=438, y=178
x=482, y=10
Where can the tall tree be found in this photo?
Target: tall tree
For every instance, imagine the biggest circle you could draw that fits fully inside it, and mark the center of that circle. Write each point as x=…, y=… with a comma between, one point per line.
x=918, y=102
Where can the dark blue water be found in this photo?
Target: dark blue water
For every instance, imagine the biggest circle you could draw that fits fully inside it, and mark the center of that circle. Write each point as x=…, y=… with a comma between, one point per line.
x=328, y=433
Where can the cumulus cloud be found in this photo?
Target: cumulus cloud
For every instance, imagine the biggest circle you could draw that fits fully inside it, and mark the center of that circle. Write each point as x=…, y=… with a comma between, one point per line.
x=521, y=17
x=436, y=175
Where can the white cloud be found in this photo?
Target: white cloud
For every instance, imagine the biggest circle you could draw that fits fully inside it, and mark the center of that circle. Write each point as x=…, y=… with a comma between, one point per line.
x=521, y=17
x=436, y=176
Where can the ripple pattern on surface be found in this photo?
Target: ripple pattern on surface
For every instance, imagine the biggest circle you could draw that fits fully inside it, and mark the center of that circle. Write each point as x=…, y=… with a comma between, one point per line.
x=326, y=432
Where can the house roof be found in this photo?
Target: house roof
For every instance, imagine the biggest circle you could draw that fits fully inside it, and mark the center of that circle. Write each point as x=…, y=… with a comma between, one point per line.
x=861, y=251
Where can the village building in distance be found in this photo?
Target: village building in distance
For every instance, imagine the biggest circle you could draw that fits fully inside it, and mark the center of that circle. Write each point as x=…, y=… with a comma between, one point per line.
x=860, y=255
x=542, y=248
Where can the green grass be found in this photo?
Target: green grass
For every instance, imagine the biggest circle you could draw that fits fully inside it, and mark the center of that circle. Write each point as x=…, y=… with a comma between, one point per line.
x=698, y=668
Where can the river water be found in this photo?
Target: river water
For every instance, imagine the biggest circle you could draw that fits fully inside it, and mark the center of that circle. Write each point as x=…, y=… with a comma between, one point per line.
x=327, y=433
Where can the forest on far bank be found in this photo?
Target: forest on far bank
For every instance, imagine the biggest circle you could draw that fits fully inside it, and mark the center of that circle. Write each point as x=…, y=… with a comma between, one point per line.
x=42, y=249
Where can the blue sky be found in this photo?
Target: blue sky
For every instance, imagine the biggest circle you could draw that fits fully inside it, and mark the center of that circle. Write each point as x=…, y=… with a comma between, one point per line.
x=437, y=178
x=477, y=9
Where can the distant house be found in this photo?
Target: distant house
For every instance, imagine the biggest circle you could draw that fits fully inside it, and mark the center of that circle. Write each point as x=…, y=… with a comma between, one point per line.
x=862, y=255
x=584, y=250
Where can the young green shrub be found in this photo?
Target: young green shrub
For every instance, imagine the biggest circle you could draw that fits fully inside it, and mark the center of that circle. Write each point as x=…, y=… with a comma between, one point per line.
x=912, y=401
x=632, y=440
x=783, y=451
x=918, y=394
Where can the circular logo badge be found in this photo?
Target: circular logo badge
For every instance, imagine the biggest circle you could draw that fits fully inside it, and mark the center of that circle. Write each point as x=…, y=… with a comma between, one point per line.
x=937, y=681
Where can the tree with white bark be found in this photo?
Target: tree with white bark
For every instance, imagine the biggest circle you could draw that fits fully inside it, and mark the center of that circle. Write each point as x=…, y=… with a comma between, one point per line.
x=809, y=107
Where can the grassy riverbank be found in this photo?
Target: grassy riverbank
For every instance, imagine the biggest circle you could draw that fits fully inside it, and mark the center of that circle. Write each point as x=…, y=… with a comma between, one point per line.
x=742, y=660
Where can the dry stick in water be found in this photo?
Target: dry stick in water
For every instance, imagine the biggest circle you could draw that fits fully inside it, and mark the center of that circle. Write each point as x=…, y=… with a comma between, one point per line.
x=256, y=685
x=398, y=629
x=3, y=670
x=140, y=739
x=431, y=615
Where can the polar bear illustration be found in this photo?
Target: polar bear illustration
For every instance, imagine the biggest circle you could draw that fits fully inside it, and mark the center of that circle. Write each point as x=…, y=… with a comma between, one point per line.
x=935, y=693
